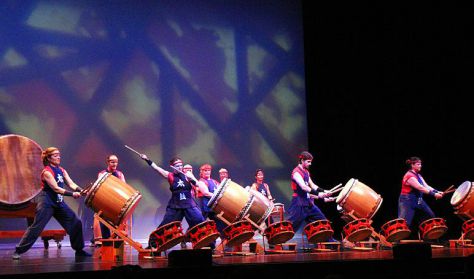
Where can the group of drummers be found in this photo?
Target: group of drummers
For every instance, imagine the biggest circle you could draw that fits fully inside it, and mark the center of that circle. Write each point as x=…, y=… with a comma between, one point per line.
x=234, y=213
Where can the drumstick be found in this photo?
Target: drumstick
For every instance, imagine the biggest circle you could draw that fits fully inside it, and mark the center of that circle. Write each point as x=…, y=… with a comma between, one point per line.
x=177, y=170
x=335, y=187
x=449, y=191
x=335, y=191
x=131, y=149
x=449, y=188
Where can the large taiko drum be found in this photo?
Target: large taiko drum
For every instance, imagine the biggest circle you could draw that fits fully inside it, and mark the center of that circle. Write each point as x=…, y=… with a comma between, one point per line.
x=468, y=229
x=318, y=231
x=395, y=230
x=20, y=165
x=432, y=228
x=166, y=236
x=358, y=230
x=236, y=203
x=359, y=199
x=259, y=207
x=231, y=199
x=279, y=232
x=115, y=199
x=202, y=234
x=463, y=201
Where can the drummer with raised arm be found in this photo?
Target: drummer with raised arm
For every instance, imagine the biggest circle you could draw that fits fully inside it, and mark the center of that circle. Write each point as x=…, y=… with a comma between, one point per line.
x=302, y=207
x=411, y=199
x=181, y=204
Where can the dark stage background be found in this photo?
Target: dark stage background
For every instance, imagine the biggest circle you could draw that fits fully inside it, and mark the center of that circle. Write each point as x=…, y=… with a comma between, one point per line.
x=387, y=81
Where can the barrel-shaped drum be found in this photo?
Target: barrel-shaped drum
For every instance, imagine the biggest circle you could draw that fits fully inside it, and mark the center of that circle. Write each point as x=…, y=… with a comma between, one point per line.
x=468, y=229
x=115, y=199
x=359, y=199
x=395, y=230
x=236, y=203
x=21, y=165
x=230, y=198
x=463, y=201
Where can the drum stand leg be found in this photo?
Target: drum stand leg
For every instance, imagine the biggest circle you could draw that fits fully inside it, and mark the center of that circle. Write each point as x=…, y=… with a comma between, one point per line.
x=142, y=252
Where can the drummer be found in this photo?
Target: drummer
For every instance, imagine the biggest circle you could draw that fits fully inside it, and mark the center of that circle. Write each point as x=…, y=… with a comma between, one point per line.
x=112, y=168
x=411, y=200
x=260, y=186
x=181, y=204
x=205, y=172
x=302, y=207
x=51, y=203
x=223, y=174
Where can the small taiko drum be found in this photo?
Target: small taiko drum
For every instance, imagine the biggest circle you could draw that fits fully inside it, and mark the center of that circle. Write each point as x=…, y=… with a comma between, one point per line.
x=318, y=231
x=238, y=233
x=359, y=199
x=167, y=236
x=115, y=199
x=357, y=230
x=468, y=229
x=463, y=200
x=395, y=230
x=202, y=234
x=231, y=199
x=432, y=228
x=279, y=232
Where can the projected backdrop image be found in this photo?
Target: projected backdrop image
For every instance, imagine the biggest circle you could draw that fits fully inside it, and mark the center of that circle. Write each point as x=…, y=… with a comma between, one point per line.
x=219, y=82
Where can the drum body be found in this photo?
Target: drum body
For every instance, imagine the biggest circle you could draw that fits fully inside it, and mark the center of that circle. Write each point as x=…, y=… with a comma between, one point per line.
x=235, y=202
x=166, y=236
x=115, y=199
x=432, y=228
x=238, y=233
x=279, y=232
x=395, y=230
x=468, y=229
x=359, y=199
x=318, y=231
x=202, y=234
x=358, y=230
x=259, y=207
x=463, y=201
x=231, y=199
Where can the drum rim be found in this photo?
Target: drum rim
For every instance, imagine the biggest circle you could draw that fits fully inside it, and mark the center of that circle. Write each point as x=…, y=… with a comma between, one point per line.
x=217, y=195
x=461, y=200
x=435, y=218
x=131, y=203
x=95, y=187
x=345, y=191
x=386, y=224
x=203, y=222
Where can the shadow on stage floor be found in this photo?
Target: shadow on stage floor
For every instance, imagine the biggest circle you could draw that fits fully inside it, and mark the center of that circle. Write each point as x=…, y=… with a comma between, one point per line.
x=57, y=262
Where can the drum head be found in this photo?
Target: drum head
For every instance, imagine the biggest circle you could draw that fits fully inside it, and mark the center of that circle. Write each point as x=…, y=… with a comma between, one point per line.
x=461, y=193
x=217, y=193
x=321, y=236
x=435, y=233
x=398, y=235
x=281, y=237
x=359, y=235
x=206, y=240
x=345, y=190
x=240, y=238
x=21, y=165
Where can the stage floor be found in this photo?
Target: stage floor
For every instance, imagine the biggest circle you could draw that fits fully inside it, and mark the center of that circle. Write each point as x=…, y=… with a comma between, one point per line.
x=57, y=262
